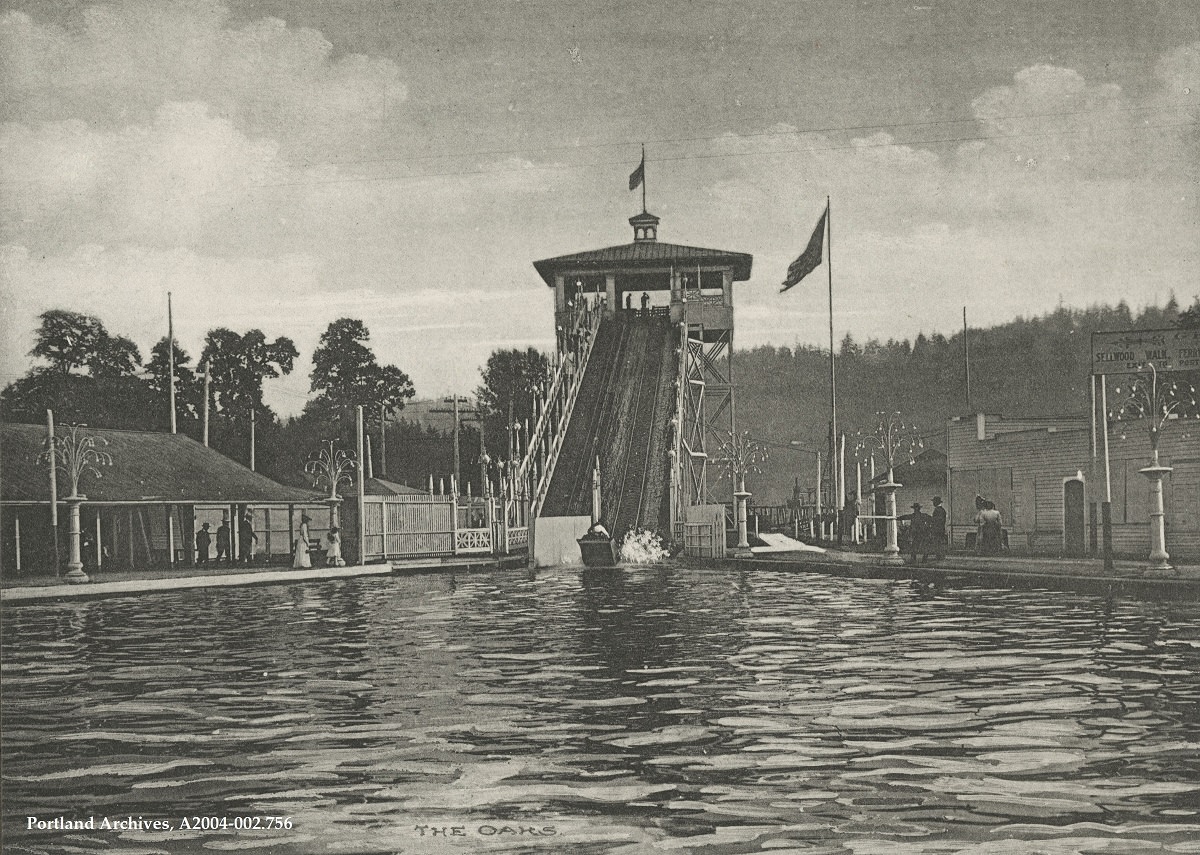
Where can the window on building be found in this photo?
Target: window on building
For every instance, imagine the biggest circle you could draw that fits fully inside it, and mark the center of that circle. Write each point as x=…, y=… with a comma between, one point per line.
x=994, y=484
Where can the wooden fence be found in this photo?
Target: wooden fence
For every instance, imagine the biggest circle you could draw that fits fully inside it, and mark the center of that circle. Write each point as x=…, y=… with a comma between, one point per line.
x=424, y=526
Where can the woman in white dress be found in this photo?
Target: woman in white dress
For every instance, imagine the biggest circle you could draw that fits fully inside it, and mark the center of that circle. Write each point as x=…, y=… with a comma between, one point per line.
x=300, y=557
x=333, y=554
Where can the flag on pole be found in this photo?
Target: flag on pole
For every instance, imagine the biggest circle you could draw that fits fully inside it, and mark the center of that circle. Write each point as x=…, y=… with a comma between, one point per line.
x=810, y=259
x=638, y=175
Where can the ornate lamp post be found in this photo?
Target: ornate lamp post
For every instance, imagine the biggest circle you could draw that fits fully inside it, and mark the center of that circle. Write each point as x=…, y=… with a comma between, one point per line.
x=331, y=467
x=894, y=441
x=1157, y=400
x=76, y=454
x=741, y=454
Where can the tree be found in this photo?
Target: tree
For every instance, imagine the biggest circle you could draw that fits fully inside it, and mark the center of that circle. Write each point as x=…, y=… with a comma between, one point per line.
x=91, y=376
x=189, y=388
x=72, y=340
x=347, y=375
x=1189, y=319
x=239, y=364
x=509, y=380
x=116, y=356
x=67, y=340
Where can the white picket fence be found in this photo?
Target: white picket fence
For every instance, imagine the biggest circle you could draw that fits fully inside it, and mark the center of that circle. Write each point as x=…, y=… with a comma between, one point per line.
x=423, y=526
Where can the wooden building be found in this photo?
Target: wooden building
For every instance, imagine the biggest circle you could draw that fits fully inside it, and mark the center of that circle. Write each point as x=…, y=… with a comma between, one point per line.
x=146, y=507
x=919, y=481
x=1042, y=477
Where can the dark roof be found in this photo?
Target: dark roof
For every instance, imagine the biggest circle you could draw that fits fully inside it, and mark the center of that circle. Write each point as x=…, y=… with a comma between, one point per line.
x=648, y=253
x=146, y=466
x=380, y=487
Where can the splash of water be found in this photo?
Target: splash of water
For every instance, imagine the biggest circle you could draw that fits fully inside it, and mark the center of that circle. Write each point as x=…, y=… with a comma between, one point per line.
x=642, y=547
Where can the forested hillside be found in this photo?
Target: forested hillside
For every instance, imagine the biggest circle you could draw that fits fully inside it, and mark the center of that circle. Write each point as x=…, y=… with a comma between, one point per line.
x=1029, y=366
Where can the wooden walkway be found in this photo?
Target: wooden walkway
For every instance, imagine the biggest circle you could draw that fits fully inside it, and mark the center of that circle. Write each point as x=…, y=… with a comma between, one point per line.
x=39, y=591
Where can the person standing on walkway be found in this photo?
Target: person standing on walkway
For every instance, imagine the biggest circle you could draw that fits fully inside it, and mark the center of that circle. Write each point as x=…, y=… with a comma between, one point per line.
x=333, y=554
x=939, y=528
x=645, y=303
x=203, y=541
x=300, y=556
x=628, y=301
x=247, y=537
x=920, y=526
x=223, y=542
x=991, y=529
x=848, y=517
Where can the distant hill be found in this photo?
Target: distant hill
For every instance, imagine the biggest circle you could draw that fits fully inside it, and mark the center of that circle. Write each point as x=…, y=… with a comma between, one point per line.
x=422, y=413
x=1029, y=366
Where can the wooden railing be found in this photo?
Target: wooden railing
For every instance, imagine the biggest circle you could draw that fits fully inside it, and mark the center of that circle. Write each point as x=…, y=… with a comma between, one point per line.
x=553, y=410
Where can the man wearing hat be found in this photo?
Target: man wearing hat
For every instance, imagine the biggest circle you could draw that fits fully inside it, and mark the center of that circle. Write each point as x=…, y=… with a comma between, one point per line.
x=246, y=537
x=939, y=528
x=203, y=541
x=919, y=532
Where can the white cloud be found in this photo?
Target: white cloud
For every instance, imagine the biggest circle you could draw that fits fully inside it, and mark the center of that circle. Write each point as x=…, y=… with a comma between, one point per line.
x=160, y=146
x=1069, y=196
x=126, y=288
x=164, y=184
x=119, y=64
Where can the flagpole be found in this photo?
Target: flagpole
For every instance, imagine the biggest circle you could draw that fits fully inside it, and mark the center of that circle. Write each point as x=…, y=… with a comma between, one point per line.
x=643, y=178
x=837, y=475
x=967, y=360
x=171, y=359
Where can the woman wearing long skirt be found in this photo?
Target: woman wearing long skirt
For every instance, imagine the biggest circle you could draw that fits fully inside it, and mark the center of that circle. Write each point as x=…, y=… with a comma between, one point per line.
x=300, y=557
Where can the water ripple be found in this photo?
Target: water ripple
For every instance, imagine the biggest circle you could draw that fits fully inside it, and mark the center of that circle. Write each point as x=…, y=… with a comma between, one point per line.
x=648, y=709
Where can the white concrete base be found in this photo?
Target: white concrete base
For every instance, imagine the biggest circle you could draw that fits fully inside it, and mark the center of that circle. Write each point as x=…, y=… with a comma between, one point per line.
x=782, y=543
x=554, y=540
x=225, y=580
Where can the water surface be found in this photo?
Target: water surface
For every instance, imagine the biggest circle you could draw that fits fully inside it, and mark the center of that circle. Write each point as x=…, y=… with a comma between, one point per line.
x=665, y=709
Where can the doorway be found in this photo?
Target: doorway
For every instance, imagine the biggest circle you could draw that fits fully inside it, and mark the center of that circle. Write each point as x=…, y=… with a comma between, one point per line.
x=1074, y=515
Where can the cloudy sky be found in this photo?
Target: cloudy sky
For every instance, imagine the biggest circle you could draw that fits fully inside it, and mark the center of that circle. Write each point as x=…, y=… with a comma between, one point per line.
x=282, y=163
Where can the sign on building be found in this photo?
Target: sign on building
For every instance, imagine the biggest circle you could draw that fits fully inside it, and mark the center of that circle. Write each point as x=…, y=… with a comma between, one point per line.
x=1130, y=351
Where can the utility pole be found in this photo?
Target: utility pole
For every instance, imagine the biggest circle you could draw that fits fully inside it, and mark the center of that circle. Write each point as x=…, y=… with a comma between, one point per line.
x=171, y=359
x=967, y=360
x=362, y=486
x=511, y=425
x=458, y=413
x=382, y=440
x=252, y=469
x=485, y=484
x=207, y=395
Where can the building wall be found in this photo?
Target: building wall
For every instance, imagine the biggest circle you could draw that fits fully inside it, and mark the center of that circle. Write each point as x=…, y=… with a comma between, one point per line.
x=1021, y=466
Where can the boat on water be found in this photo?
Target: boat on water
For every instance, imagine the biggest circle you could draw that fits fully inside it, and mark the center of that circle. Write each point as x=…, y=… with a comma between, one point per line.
x=598, y=548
